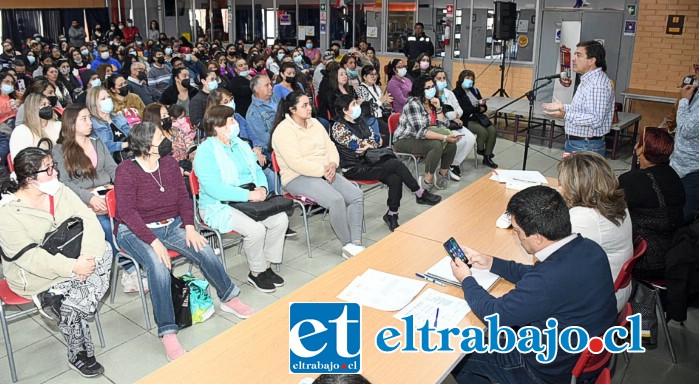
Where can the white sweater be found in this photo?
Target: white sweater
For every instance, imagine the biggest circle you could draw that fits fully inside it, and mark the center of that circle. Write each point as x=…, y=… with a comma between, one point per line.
x=22, y=137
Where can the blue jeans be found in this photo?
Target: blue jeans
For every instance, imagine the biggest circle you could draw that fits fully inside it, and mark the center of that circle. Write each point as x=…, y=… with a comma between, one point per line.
x=272, y=180
x=109, y=237
x=691, y=191
x=573, y=146
x=172, y=236
x=503, y=368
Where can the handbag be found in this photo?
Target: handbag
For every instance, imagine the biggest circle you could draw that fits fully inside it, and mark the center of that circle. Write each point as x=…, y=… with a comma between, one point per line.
x=260, y=210
x=66, y=240
x=373, y=156
x=201, y=305
x=180, y=302
x=643, y=301
x=483, y=119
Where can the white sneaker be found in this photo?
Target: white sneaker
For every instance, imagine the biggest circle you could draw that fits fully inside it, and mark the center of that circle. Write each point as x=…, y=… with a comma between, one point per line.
x=130, y=284
x=350, y=250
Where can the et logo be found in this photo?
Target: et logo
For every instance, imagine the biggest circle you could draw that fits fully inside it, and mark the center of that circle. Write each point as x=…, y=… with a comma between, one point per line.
x=325, y=338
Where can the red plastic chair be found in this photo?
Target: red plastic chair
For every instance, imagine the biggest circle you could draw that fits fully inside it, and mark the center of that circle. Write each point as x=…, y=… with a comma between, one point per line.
x=622, y=321
x=605, y=377
x=110, y=200
x=10, y=166
x=392, y=126
x=207, y=231
x=7, y=297
x=302, y=204
x=589, y=362
x=624, y=278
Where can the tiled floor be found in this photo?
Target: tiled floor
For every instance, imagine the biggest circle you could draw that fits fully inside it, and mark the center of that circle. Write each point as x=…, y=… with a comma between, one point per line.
x=132, y=351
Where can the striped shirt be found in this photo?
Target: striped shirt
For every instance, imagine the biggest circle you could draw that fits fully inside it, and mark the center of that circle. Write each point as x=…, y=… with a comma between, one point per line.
x=592, y=110
x=159, y=79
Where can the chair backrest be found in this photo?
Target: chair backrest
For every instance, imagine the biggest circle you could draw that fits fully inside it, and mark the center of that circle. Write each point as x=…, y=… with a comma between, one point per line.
x=10, y=166
x=193, y=183
x=605, y=377
x=110, y=200
x=317, y=101
x=625, y=312
x=626, y=273
x=590, y=362
x=393, y=122
x=275, y=164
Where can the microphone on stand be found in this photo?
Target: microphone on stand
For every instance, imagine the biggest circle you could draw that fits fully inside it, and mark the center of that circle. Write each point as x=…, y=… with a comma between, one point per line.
x=556, y=76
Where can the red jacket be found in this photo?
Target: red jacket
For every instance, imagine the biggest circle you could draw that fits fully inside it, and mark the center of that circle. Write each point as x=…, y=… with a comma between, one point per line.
x=130, y=33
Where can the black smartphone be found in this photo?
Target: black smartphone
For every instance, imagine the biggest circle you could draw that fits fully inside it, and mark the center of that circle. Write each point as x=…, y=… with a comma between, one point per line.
x=103, y=192
x=455, y=251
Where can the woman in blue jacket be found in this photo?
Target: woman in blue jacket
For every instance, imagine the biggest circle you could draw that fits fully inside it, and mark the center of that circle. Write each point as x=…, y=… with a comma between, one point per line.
x=224, y=163
x=112, y=128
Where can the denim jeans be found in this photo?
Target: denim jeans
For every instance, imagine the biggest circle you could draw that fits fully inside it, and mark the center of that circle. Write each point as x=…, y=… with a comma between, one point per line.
x=173, y=237
x=572, y=146
x=503, y=368
x=272, y=180
x=691, y=190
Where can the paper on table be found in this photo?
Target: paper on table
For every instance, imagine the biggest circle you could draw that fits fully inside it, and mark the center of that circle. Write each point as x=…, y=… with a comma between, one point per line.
x=503, y=175
x=442, y=271
x=382, y=291
x=451, y=310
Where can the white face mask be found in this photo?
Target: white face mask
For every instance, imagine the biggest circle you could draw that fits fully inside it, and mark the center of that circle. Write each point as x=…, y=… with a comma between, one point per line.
x=49, y=187
x=402, y=72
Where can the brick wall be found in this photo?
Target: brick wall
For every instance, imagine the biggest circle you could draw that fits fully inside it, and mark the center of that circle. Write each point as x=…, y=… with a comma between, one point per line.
x=661, y=61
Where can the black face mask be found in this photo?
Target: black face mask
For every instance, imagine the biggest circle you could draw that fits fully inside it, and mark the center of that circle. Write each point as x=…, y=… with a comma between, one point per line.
x=142, y=76
x=165, y=147
x=290, y=79
x=123, y=91
x=166, y=123
x=53, y=100
x=160, y=60
x=231, y=53
x=185, y=83
x=259, y=68
x=46, y=113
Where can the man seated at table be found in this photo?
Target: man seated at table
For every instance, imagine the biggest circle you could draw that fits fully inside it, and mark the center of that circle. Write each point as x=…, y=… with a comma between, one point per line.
x=571, y=282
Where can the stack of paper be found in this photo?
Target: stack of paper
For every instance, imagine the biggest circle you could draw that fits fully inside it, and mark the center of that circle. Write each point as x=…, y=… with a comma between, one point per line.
x=534, y=177
x=451, y=310
x=381, y=290
x=442, y=272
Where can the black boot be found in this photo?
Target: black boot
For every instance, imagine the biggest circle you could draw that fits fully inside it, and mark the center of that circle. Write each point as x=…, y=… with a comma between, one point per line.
x=488, y=161
x=391, y=221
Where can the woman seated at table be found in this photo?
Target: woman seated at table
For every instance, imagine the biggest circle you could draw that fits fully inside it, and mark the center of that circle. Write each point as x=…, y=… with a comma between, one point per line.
x=423, y=129
x=472, y=104
x=39, y=123
x=353, y=137
x=154, y=214
x=112, y=128
x=655, y=197
x=308, y=160
x=598, y=210
x=453, y=112
x=223, y=164
x=65, y=290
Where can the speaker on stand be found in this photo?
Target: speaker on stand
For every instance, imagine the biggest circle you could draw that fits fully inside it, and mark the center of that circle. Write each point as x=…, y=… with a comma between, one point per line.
x=505, y=29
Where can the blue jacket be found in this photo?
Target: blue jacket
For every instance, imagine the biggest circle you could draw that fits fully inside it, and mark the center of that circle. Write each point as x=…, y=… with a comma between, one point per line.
x=99, y=61
x=573, y=285
x=214, y=190
x=247, y=133
x=260, y=116
x=102, y=130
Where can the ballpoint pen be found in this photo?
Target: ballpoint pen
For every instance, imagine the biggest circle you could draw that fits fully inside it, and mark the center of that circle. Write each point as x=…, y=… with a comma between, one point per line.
x=431, y=280
x=436, y=317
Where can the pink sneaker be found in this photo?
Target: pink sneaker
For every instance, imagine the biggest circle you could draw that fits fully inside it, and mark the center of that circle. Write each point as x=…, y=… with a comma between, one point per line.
x=238, y=308
x=173, y=349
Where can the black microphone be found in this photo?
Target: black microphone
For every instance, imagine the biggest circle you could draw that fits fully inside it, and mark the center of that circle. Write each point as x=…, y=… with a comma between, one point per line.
x=556, y=76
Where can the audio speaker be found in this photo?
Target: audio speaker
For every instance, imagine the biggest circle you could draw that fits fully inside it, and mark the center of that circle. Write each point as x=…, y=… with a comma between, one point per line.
x=505, y=21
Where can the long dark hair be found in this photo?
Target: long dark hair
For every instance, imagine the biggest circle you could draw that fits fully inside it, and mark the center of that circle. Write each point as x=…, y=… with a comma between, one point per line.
x=27, y=163
x=333, y=83
x=77, y=163
x=285, y=106
x=418, y=89
x=392, y=68
x=295, y=85
x=152, y=115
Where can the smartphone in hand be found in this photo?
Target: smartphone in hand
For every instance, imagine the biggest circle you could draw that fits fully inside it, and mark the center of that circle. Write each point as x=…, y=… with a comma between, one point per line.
x=455, y=251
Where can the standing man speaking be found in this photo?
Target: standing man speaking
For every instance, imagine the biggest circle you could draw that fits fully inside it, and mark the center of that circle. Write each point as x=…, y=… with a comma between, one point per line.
x=589, y=117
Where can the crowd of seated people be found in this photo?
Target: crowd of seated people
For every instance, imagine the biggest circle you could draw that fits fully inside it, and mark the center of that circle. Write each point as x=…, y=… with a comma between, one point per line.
x=137, y=116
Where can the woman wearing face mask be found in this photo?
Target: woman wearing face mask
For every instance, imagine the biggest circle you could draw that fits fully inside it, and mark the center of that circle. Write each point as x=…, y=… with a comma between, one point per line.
x=197, y=106
x=10, y=99
x=223, y=164
x=257, y=65
x=224, y=97
x=112, y=128
x=422, y=111
x=286, y=83
x=32, y=64
x=180, y=91
x=350, y=64
x=99, y=35
x=67, y=78
x=301, y=66
x=353, y=137
x=274, y=63
x=472, y=103
x=114, y=32
x=422, y=66
x=453, y=112
x=181, y=143
x=39, y=123
x=90, y=79
x=399, y=85
x=62, y=92
x=68, y=291
x=154, y=214
x=123, y=99
x=376, y=100
x=39, y=86
x=311, y=52
x=240, y=86
x=77, y=61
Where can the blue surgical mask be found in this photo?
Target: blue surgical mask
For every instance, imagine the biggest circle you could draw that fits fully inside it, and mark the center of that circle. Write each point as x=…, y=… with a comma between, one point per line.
x=441, y=85
x=280, y=56
x=188, y=57
x=96, y=83
x=429, y=93
x=244, y=73
x=168, y=51
x=107, y=105
x=231, y=105
x=353, y=73
x=7, y=88
x=234, y=131
x=298, y=59
x=356, y=112
x=467, y=83
x=31, y=59
x=213, y=84
x=85, y=52
x=309, y=46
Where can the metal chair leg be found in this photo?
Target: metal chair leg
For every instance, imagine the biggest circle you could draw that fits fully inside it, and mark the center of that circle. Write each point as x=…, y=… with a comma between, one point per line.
x=663, y=322
x=115, y=274
x=142, y=293
x=8, y=343
x=98, y=324
x=305, y=225
x=475, y=154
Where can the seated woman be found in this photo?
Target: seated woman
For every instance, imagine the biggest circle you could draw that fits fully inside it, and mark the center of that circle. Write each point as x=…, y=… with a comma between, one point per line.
x=65, y=290
x=308, y=160
x=423, y=111
x=655, y=196
x=223, y=164
x=453, y=112
x=39, y=86
x=376, y=101
x=39, y=122
x=353, y=137
x=123, y=99
x=420, y=67
x=181, y=142
x=180, y=91
x=112, y=128
x=472, y=103
x=10, y=99
x=349, y=63
x=154, y=214
x=286, y=82
x=598, y=210
x=399, y=85
x=197, y=106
